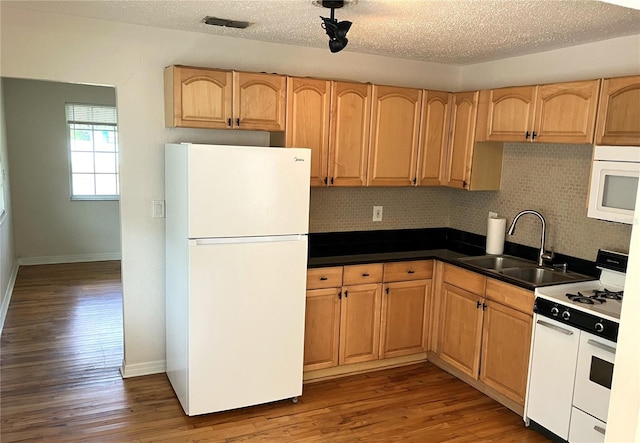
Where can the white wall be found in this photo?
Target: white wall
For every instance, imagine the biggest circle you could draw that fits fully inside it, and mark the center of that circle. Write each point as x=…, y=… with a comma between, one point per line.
x=623, y=423
x=49, y=227
x=608, y=58
x=132, y=58
x=8, y=263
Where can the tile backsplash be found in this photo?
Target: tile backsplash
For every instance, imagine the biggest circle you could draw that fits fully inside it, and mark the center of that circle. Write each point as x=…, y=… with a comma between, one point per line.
x=551, y=179
x=351, y=209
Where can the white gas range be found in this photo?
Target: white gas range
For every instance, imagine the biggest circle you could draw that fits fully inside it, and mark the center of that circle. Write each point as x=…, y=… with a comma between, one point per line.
x=572, y=354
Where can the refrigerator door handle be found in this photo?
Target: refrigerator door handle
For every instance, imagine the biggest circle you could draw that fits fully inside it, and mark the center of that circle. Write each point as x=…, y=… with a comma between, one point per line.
x=235, y=240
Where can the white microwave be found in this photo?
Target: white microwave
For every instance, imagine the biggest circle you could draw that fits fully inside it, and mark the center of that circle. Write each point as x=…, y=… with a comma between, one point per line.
x=614, y=183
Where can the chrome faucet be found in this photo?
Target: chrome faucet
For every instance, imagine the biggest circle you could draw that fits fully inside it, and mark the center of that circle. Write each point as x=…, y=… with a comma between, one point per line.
x=543, y=255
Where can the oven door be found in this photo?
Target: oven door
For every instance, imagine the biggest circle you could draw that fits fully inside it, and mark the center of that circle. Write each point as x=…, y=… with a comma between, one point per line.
x=612, y=195
x=594, y=373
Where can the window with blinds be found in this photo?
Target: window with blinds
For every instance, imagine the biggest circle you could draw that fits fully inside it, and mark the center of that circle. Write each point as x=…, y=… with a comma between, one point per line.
x=93, y=151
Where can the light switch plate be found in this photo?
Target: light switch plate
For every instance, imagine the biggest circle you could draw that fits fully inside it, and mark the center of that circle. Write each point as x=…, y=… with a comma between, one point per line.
x=158, y=209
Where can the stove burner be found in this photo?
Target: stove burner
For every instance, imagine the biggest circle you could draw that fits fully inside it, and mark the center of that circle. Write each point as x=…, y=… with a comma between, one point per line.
x=610, y=295
x=587, y=300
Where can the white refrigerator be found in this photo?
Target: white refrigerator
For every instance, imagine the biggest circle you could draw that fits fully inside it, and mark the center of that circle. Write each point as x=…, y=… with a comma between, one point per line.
x=236, y=255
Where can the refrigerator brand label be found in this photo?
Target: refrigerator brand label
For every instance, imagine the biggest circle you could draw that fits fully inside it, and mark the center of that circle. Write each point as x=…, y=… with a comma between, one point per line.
x=298, y=159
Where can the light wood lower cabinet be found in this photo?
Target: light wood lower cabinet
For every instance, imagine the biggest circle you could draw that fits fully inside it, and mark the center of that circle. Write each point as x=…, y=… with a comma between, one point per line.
x=461, y=329
x=360, y=323
x=484, y=332
x=352, y=318
x=322, y=328
x=404, y=318
x=506, y=335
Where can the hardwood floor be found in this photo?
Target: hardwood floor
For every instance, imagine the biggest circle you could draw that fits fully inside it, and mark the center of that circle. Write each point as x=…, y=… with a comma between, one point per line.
x=62, y=347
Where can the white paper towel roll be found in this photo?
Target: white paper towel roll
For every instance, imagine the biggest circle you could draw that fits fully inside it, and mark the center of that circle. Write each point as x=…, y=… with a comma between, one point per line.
x=496, y=228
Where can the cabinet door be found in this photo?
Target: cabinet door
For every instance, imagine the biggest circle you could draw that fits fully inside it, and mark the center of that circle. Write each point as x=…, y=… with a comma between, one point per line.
x=509, y=113
x=434, y=136
x=619, y=112
x=460, y=332
x=360, y=323
x=259, y=101
x=394, y=136
x=308, y=122
x=349, y=137
x=404, y=318
x=197, y=98
x=566, y=112
x=460, y=153
x=322, y=328
x=506, y=340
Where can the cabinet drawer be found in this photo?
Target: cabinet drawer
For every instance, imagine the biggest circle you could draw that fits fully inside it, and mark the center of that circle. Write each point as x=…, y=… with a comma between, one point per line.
x=467, y=280
x=318, y=278
x=361, y=274
x=408, y=270
x=509, y=295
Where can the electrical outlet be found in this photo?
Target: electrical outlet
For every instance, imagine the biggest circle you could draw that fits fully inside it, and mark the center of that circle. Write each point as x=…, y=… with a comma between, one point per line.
x=158, y=209
x=377, y=213
x=493, y=214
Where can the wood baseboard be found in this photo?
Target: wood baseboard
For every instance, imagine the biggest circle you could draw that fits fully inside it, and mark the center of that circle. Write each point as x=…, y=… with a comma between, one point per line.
x=359, y=368
x=477, y=384
x=6, y=299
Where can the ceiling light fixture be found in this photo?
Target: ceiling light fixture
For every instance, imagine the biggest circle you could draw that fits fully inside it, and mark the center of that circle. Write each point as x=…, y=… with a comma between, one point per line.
x=337, y=31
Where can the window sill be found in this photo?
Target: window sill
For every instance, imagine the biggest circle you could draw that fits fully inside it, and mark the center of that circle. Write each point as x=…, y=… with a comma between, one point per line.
x=95, y=198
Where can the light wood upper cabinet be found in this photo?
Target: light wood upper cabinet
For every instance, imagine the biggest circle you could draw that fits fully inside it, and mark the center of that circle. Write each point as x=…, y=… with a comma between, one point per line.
x=322, y=328
x=434, y=136
x=619, y=112
x=506, y=114
x=331, y=118
x=394, y=136
x=463, y=124
x=308, y=102
x=215, y=99
x=349, y=137
x=197, y=97
x=553, y=113
x=259, y=101
x=566, y=112
x=506, y=338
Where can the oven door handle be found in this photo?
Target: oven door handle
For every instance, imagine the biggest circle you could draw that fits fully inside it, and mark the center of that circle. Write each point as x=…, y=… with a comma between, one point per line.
x=602, y=346
x=554, y=327
x=599, y=429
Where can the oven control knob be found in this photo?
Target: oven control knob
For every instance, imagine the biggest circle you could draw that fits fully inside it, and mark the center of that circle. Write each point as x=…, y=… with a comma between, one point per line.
x=555, y=311
x=599, y=327
x=566, y=315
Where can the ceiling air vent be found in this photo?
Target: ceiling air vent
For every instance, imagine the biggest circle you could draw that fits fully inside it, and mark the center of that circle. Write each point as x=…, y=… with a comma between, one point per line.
x=215, y=21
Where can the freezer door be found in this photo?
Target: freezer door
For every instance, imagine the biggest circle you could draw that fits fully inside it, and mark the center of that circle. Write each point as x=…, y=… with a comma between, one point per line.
x=246, y=326
x=237, y=191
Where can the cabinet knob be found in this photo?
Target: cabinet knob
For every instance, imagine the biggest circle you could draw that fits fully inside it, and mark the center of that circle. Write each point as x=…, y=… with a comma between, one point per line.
x=387, y=290
x=340, y=295
x=533, y=135
x=331, y=180
x=229, y=122
x=326, y=180
x=346, y=294
x=365, y=274
x=527, y=135
x=478, y=304
x=411, y=272
x=323, y=278
x=238, y=122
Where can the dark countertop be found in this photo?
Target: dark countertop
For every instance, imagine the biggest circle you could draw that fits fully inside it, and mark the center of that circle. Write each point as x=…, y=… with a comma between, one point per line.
x=444, y=244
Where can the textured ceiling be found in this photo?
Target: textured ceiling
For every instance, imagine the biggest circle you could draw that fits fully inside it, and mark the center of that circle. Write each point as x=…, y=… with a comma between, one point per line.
x=442, y=31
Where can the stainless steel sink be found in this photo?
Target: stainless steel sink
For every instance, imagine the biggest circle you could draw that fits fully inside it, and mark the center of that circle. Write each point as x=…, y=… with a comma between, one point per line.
x=497, y=262
x=541, y=276
x=522, y=270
